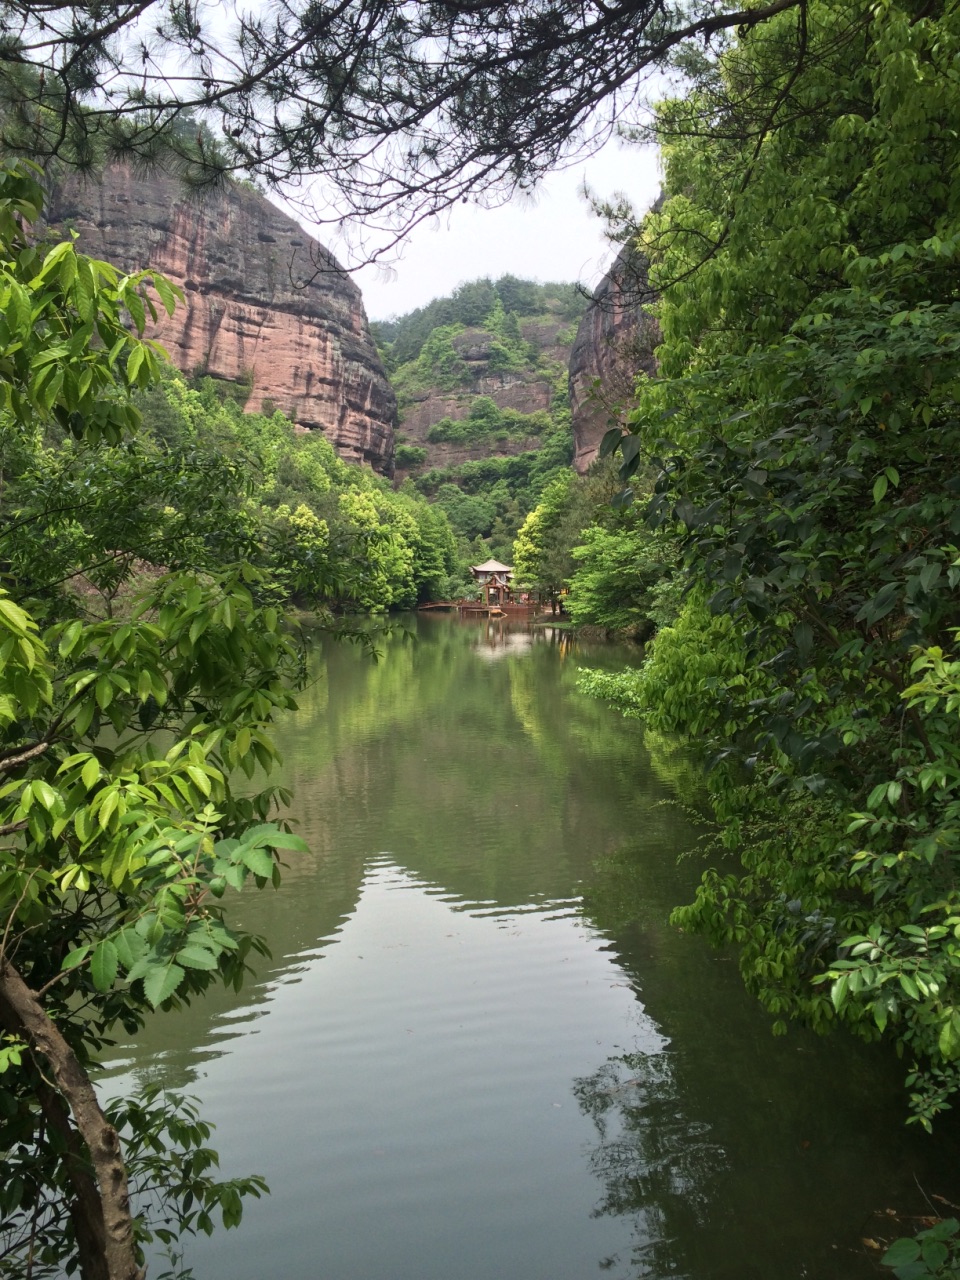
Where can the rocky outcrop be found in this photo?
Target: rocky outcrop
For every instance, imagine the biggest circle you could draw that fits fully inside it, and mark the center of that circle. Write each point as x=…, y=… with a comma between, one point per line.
x=615, y=340
x=265, y=303
x=528, y=391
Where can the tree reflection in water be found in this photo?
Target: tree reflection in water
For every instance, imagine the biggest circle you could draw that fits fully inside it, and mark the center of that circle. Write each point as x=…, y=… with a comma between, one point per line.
x=656, y=1163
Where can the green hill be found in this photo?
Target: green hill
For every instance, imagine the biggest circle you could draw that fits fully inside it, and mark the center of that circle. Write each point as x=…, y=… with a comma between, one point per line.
x=481, y=383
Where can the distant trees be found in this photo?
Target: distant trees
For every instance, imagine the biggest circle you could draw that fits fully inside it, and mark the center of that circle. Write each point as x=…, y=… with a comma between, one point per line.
x=541, y=553
x=472, y=304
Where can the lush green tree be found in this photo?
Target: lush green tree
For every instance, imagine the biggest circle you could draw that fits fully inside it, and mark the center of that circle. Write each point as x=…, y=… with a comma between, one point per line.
x=625, y=579
x=300, y=506
x=805, y=438
x=542, y=550
x=120, y=737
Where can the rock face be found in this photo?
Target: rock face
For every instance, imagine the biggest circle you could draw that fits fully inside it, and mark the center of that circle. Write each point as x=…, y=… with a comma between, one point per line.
x=527, y=391
x=616, y=339
x=265, y=303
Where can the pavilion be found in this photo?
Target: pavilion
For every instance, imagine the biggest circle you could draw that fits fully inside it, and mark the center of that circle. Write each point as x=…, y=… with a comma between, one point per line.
x=493, y=579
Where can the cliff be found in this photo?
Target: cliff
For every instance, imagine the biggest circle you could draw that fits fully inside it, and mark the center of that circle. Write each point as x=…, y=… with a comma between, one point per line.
x=529, y=389
x=265, y=302
x=615, y=340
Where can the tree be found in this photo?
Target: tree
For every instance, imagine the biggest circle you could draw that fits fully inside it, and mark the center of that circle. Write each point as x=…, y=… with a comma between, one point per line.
x=623, y=579
x=804, y=434
x=403, y=109
x=120, y=826
x=541, y=552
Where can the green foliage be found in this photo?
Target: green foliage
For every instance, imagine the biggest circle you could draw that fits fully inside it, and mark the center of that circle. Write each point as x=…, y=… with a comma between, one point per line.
x=803, y=435
x=471, y=305
x=625, y=578
x=541, y=552
x=122, y=731
x=409, y=455
x=307, y=514
x=438, y=365
x=932, y=1253
x=486, y=421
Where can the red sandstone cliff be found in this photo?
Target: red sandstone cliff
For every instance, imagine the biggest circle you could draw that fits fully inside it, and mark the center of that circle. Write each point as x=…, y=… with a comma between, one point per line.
x=264, y=301
x=615, y=341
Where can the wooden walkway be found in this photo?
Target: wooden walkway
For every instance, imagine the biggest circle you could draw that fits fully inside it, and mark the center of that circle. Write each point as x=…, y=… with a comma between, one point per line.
x=478, y=607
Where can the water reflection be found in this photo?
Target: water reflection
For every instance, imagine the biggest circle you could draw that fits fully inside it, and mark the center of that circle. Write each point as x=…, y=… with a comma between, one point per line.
x=657, y=1165
x=501, y=638
x=451, y=1067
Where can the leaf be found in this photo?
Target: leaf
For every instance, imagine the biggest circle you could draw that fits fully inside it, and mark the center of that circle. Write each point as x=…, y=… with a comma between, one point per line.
x=880, y=486
x=287, y=840
x=75, y=957
x=165, y=293
x=934, y=1253
x=901, y=1252
x=69, y=639
x=258, y=860
x=196, y=957
x=45, y=794
x=880, y=604
x=110, y=802
x=838, y=991
x=610, y=442
x=199, y=778
x=103, y=965
x=161, y=981
x=130, y=947
x=803, y=639
x=910, y=988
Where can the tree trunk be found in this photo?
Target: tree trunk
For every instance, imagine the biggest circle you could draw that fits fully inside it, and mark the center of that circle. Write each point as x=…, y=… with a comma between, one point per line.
x=101, y=1208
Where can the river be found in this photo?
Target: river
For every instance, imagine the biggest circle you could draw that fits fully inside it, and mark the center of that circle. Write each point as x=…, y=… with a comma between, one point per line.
x=479, y=1051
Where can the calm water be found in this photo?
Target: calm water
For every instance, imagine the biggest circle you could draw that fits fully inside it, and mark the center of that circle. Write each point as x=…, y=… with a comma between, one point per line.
x=479, y=1051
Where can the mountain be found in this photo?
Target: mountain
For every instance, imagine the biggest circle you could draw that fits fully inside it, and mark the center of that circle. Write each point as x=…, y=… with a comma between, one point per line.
x=481, y=383
x=266, y=304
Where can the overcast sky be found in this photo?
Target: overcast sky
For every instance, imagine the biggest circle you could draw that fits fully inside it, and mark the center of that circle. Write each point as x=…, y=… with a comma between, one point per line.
x=554, y=236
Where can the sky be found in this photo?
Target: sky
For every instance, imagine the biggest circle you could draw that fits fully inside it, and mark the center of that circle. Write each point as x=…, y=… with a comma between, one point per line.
x=552, y=236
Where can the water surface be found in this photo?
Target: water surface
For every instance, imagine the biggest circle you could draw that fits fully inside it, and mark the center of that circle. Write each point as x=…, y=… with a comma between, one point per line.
x=479, y=1051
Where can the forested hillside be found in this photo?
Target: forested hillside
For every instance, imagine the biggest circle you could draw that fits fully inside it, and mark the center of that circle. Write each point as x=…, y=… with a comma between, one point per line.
x=481, y=383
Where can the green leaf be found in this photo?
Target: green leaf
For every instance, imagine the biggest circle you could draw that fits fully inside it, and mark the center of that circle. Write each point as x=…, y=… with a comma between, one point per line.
x=610, y=442
x=130, y=947
x=259, y=862
x=934, y=1253
x=165, y=293
x=880, y=486
x=44, y=793
x=838, y=992
x=195, y=957
x=161, y=981
x=287, y=840
x=901, y=1252
x=75, y=957
x=199, y=778
x=910, y=988
x=69, y=639
x=103, y=966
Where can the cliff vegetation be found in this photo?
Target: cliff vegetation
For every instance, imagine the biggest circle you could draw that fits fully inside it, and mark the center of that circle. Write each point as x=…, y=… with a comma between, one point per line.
x=484, y=418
